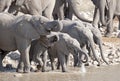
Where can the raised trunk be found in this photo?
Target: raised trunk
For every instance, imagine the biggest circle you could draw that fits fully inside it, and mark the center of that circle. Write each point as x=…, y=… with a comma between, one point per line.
x=55, y=26
x=73, y=4
x=102, y=4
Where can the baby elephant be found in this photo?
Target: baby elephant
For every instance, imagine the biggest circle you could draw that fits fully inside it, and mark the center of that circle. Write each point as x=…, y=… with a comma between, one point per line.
x=62, y=48
x=38, y=51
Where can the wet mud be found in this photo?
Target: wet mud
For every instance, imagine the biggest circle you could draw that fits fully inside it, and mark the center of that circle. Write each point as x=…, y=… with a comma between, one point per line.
x=103, y=73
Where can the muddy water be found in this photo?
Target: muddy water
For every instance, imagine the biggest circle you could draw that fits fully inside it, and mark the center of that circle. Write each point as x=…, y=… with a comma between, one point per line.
x=103, y=73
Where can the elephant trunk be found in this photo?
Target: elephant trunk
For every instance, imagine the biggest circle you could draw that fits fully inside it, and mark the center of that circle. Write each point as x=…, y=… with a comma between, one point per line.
x=101, y=51
x=55, y=26
x=102, y=4
x=76, y=11
x=93, y=50
x=81, y=53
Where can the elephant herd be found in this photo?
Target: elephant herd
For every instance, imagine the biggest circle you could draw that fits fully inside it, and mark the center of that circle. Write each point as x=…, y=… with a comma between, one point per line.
x=37, y=36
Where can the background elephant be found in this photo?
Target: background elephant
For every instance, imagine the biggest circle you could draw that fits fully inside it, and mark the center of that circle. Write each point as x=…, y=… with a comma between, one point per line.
x=106, y=11
x=38, y=49
x=35, y=7
x=62, y=48
x=84, y=36
x=18, y=33
x=5, y=5
x=73, y=9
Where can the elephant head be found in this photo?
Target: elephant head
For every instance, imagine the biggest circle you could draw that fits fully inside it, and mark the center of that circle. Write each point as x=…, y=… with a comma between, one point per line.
x=32, y=27
x=49, y=40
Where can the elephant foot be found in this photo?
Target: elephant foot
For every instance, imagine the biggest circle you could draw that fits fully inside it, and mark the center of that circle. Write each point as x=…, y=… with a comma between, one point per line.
x=19, y=70
x=64, y=70
x=108, y=35
x=26, y=69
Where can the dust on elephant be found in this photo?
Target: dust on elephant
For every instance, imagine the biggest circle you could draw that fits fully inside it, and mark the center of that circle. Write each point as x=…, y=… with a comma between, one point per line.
x=17, y=33
x=73, y=9
x=38, y=50
x=35, y=7
x=62, y=48
x=84, y=36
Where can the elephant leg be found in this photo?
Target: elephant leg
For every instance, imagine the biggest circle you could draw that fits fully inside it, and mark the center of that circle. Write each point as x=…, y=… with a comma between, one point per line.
x=49, y=10
x=119, y=22
x=96, y=18
x=52, y=62
x=20, y=66
x=76, y=59
x=61, y=12
x=62, y=62
x=109, y=29
x=58, y=65
x=1, y=65
x=70, y=12
x=23, y=46
x=44, y=59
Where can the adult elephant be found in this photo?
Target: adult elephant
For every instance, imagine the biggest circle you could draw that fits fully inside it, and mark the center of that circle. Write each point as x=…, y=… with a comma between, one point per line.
x=73, y=9
x=18, y=33
x=36, y=7
x=85, y=36
x=109, y=9
x=62, y=48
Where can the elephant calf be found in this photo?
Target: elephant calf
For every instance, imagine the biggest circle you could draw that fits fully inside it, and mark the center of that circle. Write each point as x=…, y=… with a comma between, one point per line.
x=86, y=35
x=62, y=48
x=39, y=48
x=17, y=33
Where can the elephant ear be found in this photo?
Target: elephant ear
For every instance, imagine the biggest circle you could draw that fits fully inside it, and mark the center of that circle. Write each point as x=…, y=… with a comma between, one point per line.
x=26, y=30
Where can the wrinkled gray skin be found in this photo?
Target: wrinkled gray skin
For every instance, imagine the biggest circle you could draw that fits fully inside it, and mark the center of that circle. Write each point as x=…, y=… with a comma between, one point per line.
x=38, y=50
x=62, y=48
x=73, y=9
x=35, y=7
x=18, y=33
x=84, y=36
x=109, y=8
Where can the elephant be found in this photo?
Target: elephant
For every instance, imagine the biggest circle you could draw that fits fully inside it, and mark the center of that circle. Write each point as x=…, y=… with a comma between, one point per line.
x=106, y=11
x=62, y=48
x=35, y=7
x=17, y=33
x=72, y=9
x=5, y=5
x=38, y=50
x=86, y=36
